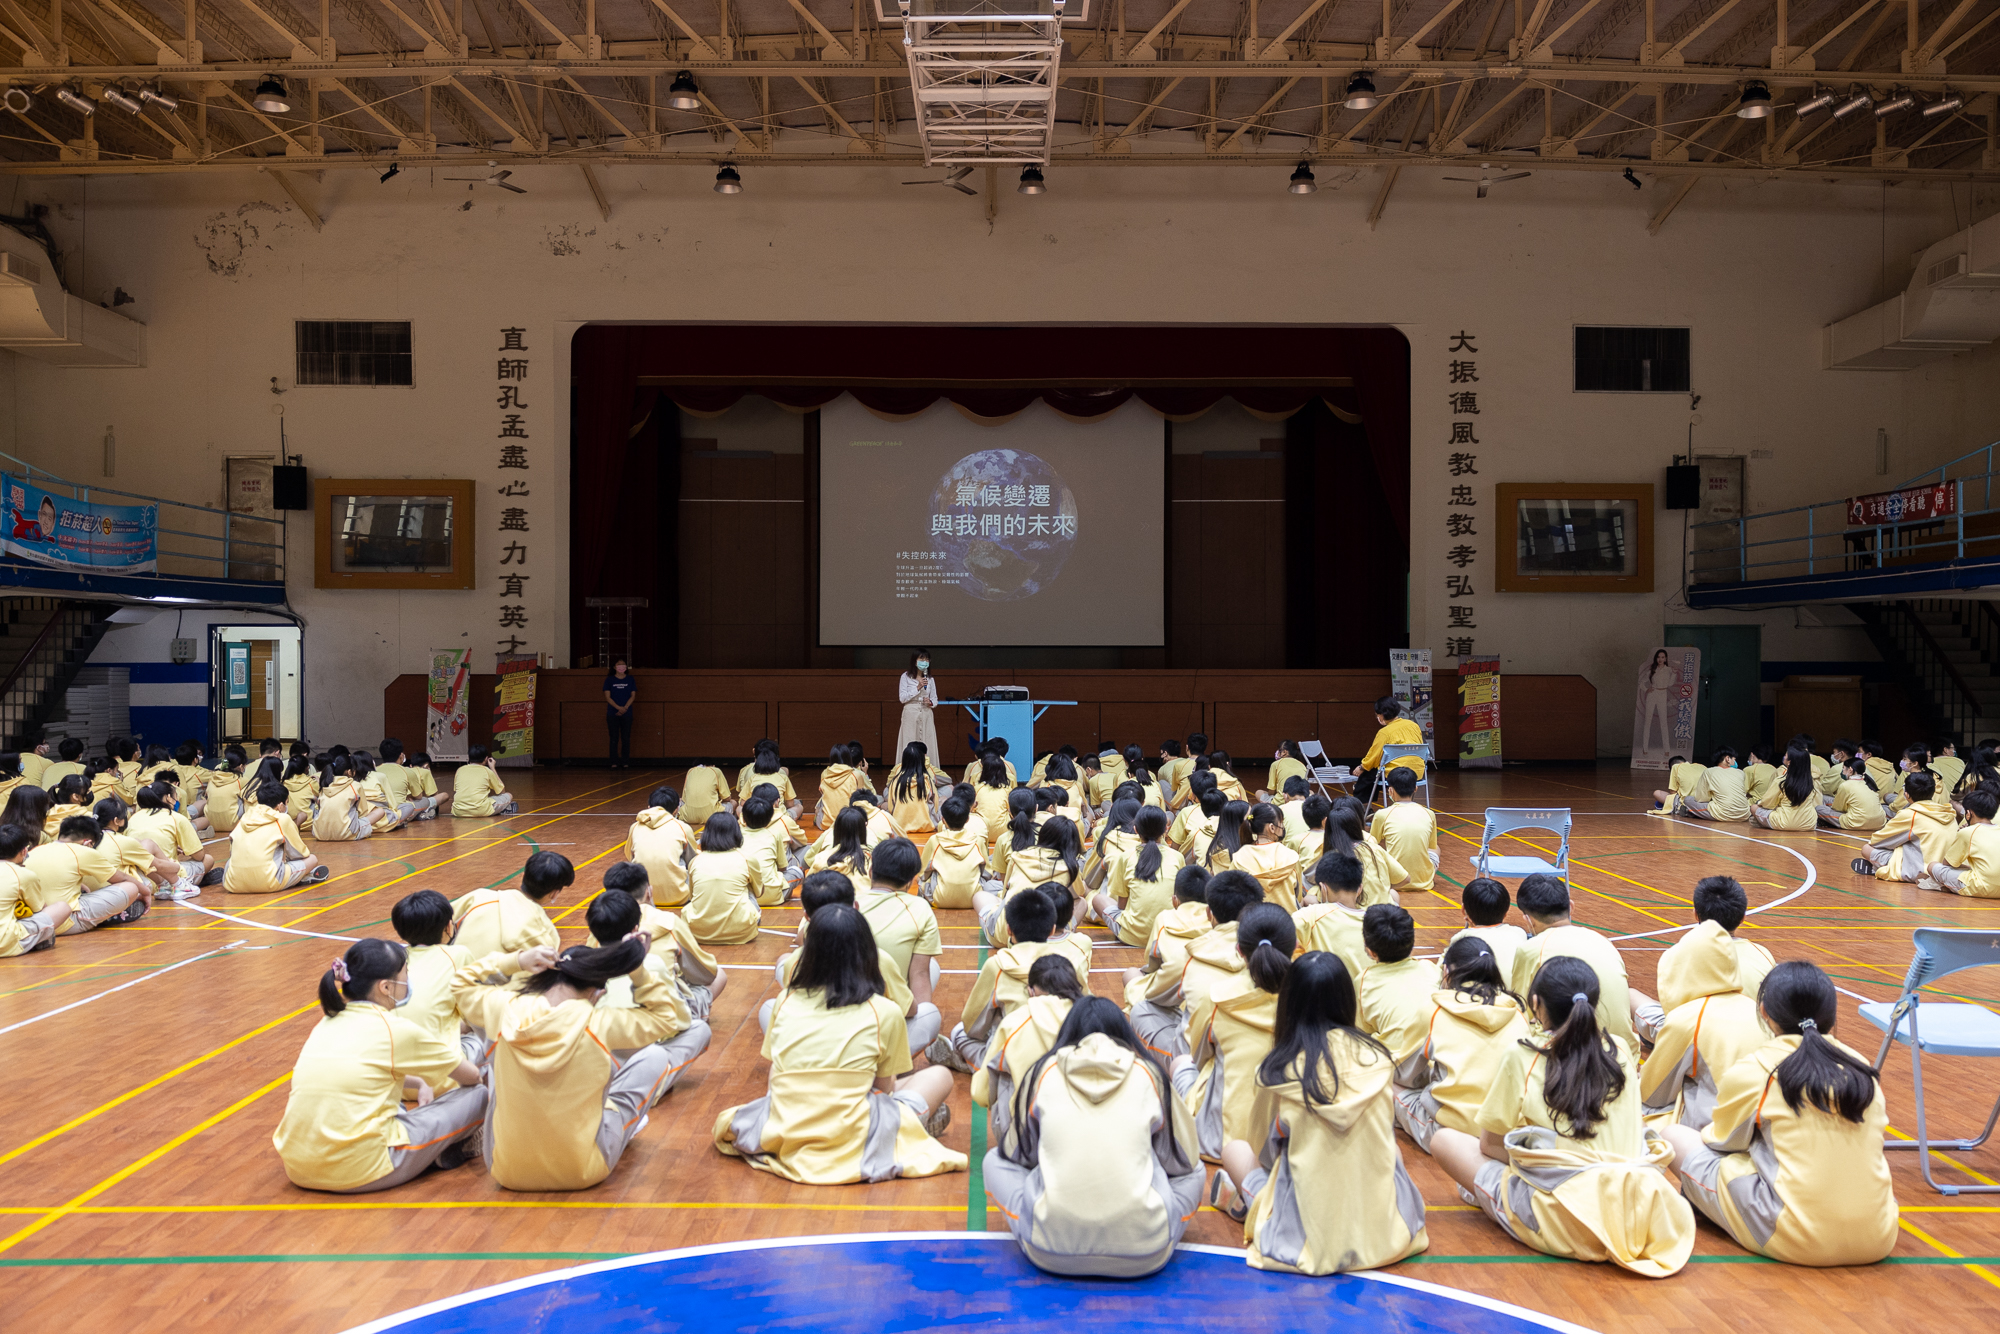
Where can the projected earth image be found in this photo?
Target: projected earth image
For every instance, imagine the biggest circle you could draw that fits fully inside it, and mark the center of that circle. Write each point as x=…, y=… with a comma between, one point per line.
x=1007, y=519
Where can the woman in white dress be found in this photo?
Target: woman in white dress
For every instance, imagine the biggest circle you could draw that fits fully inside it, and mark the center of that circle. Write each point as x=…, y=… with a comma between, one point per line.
x=1656, y=693
x=918, y=691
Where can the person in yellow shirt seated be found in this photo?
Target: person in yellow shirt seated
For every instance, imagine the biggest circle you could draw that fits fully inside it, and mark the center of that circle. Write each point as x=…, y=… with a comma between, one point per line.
x=1167, y=995
x=697, y=976
x=1395, y=1000
x=1475, y=1021
x=1917, y=837
x=345, y=1128
x=765, y=767
x=507, y=921
x=79, y=871
x=1392, y=729
x=1721, y=793
x=1175, y=762
x=1002, y=982
x=1854, y=805
x=476, y=789
x=423, y=920
x=69, y=752
x=1485, y=903
x=35, y=761
x=1332, y=922
x=1177, y=926
x=1971, y=864
x=402, y=786
x=23, y=929
x=1230, y=1029
x=156, y=819
x=954, y=866
x=1023, y=1038
x=1407, y=830
x=141, y=856
x=1545, y=905
x=266, y=851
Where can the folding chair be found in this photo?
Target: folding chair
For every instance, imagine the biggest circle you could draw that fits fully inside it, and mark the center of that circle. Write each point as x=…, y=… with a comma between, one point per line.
x=1323, y=770
x=1504, y=820
x=1390, y=754
x=1950, y=1029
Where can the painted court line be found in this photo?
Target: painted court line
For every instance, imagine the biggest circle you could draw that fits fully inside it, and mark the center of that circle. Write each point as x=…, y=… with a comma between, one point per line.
x=234, y=944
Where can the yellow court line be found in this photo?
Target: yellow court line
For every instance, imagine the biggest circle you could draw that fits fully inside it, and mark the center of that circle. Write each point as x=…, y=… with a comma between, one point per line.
x=611, y=1205
x=1949, y=1161
x=1943, y=1249
x=1577, y=884
x=78, y=967
x=70, y=1206
x=575, y=907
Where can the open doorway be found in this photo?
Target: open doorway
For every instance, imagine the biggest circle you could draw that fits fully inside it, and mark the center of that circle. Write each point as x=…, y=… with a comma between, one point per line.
x=258, y=687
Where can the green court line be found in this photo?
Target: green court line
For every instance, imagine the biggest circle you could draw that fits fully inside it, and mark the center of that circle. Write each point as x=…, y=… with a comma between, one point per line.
x=975, y=1180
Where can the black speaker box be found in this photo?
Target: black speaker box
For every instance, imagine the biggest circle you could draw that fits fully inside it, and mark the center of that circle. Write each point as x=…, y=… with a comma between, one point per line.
x=291, y=489
x=1683, y=487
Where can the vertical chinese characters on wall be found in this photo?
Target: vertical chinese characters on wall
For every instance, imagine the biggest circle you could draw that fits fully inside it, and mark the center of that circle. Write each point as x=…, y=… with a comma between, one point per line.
x=1461, y=504
x=514, y=484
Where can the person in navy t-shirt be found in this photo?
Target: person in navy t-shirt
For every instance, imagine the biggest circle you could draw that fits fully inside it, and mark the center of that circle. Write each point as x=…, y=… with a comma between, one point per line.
x=621, y=692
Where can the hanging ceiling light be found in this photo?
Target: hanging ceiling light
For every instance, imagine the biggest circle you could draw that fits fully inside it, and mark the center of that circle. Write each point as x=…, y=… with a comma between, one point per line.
x=123, y=100
x=727, y=182
x=1302, y=180
x=76, y=102
x=1855, y=101
x=1360, y=92
x=1949, y=102
x=271, y=97
x=1031, y=182
x=1821, y=99
x=1900, y=102
x=17, y=100
x=161, y=98
x=684, y=95
x=1754, y=102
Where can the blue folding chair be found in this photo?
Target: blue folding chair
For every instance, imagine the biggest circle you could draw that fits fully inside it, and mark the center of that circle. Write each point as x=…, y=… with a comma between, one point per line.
x=1950, y=1028
x=1504, y=820
x=1390, y=754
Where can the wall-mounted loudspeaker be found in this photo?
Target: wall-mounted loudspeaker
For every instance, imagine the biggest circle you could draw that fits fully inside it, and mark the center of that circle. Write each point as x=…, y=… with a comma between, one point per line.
x=291, y=489
x=1683, y=487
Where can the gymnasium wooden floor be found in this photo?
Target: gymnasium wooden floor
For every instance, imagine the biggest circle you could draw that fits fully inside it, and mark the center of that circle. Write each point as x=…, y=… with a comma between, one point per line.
x=139, y=1190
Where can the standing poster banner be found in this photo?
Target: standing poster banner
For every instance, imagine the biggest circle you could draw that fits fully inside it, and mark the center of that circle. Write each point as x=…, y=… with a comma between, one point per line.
x=1479, y=713
x=49, y=529
x=446, y=735
x=1663, y=711
x=1410, y=683
x=514, y=710
x=236, y=675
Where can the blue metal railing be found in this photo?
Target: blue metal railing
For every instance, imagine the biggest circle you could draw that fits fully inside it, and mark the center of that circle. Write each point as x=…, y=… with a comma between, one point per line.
x=209, y=538
x=1808, y=540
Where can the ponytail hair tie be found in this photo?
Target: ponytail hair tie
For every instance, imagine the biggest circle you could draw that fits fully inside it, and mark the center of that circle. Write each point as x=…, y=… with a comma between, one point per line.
x=1808, y=1026
x=1580, y=999
x=1262, y=943
x=340, y=973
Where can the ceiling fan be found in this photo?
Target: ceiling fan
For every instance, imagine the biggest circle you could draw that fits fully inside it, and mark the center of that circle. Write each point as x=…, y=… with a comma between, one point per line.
x=1485, y=182
x=494, y=177
x=955, y=178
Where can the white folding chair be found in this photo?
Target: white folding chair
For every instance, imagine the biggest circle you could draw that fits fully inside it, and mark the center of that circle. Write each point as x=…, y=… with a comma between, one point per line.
x=1504, y=820
x=1949, y=1029
x=1324, y=771
x=1390, y=754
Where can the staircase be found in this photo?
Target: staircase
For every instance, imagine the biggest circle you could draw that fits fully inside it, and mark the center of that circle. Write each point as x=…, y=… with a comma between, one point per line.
x=44, y=643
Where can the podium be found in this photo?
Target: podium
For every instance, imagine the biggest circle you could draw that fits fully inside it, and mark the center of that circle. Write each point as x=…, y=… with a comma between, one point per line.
x=1013, y=719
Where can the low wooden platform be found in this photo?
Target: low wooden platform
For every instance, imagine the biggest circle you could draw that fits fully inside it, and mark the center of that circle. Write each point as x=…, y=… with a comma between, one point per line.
x=139, y=1190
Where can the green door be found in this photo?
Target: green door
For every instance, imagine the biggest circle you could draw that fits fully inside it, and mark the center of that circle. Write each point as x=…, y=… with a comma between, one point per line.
x=1728, y=711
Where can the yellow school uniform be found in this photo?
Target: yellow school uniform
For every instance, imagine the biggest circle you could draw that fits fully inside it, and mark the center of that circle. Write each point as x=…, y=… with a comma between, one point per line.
x=1395, y=1009
x=904, y=925
x=724, y=890
x=302, y=796
x=225, y=800
x=1284, y=768
x=769, y=849
x=1002, y=984
x=1335, y=929
x=662, y=843
x=1504, y=939
x=133, y=858
x=1931, y=825
x=1614, y=998
x=1826, y=1196
x=345, y=812
x=1687, y=968
x=912, y=815
x=1949, y=771
x=57, y=771
x=1338, y=1197
x=1463, y=1050
x=1192, y=832
x=990, y=805
x=34, y=767
x=1036, y=866
x=1174, y=931
x=104, y=785
x=173, y=832
x=340, y=1111
x=1786, y=816
x=1383, y=878
x=52, y=826
x=126, y=774
x=1142, y=900
x=1211, y=959
x=432, y=1006
x=1276, y=868
x=1758, y=780
x=1728, y=795
x=748, y=780
x=1396, y=732
x=1407, y=831
x=7, y=786
x=823, y=1122
x=1025, y=1036
x=61, y=873
x=474, y=789
x=260, y=845
x=500, y=921
x=837, y=785
x=1859, y=806
x=1230, y=1033
x=1688, y=781
x=1975, y=850
x=551, y=1067
x=17, y=888
x=1888, y=778
x=380, y=813
x=957, y=857
x=194, y=782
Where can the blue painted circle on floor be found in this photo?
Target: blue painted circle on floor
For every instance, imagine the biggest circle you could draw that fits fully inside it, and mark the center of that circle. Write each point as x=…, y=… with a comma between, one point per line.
x=890, y=1282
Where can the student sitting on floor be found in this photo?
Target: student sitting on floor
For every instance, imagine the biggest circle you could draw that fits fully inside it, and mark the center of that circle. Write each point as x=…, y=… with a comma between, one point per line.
x=1916, y=759
x=1562, y=1162
x=1474, y=1022
x=820, y=889
x=35, y=760
x=1719, y=908
x=1229, y=1031
x=1485, y=903
x=1382, y=877
x=1139, y=879
x=266, y=851
x=904, y=926
x=508, y=921
x=954, y=866
x=840, y=1106
x=1709, y=1027
x=1196, y=819
x=156, y=819
x=1304, y=813
x=1725, y=794
x=69, y=798
x=141, y=856
x=1036, y=927
x=725, y=888
x=1219, y=853
x=24, y=927
x=663, y=843
x=843, y=847
x=382, y=813
x=705, y=790
x=423, y=919
x=1916, y=837
x=697, y=976
x=345, y=1128
x=1396, y=992
x=1759, y=774
x=1888, y=780
x=1101, y=1178
x=764, y=843
x=1800, y=1177
x=1170, y=995
x=476, y=789
x=1407, y=830
x=1177, y=927
x=1793, y=801
x=837, y=782
x=1971, y=864
x=1333, y=922
x=1544, y=904
x=69, y=752
x=565, y=1105
x=105, y=780
x=191, y=791
x=75, y=870
x=401, y=785
x=1855, y=804
x=765, y=768
x=1264, y=855
x=1946, y=766
x=1053, y=860
x=28, y=808
x=223, y=791
x=912, y=791
x=1319, y=1184
x=301, y=790
x=346, y=813
x=1023, y=1038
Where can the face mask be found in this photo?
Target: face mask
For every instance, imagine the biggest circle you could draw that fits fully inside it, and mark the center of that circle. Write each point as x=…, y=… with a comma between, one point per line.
x=923, y=664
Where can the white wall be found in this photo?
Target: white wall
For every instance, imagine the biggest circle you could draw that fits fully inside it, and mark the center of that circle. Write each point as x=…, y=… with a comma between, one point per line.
x=221, y=266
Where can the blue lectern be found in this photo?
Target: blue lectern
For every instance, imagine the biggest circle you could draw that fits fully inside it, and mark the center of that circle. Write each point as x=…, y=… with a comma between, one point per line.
x=1013, y=719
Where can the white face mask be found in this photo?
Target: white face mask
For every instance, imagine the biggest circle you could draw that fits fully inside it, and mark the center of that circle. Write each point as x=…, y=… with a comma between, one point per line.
x=923, y=664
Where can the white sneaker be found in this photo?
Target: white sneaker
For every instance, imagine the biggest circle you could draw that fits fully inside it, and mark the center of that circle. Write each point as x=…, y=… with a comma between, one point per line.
x=941, y=1052
x=938, y=1121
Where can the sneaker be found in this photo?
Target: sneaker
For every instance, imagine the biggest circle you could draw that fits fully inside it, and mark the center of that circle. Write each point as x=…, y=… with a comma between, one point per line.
x=319, y=873
x=938, y=1121
x=1224, y=1198
x=458, y=1154
x=131, y=914
x=214, y=877
x=186, y=889
x=1862, y=866
x=941, y=1052
x=430, y=814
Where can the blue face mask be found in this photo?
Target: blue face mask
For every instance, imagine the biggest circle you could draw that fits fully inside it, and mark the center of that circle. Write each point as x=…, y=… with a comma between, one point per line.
x=923, y=664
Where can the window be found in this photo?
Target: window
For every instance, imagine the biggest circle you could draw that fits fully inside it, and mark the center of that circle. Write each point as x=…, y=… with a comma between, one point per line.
x=392, y=533
x=369, y=352
x=1631, y=360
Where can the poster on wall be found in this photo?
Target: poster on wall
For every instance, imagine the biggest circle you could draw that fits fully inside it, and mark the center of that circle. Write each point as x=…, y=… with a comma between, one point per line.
x=1410, y=683
x=49, y=529
x=446, y=735
x=1663, y=709
x=235, y=675
x=1479, y=713
x=514, y=710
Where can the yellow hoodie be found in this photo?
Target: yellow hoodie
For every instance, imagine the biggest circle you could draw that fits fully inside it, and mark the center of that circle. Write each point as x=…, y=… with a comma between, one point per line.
x=1230, y=1032
x=1711, y=1026
x=724, y=889
x=1212, y=958
x=338, y=802
x=1687, y=971
x=707, y=792
x=1174, y=930
x=1975, y=849
x=1002, y=984
x=1337, y=1197
x=662, y=842
x=1931, y=825
x=225, y=800
x=837, y=783
x=1464, y=1048
x=1335, y=929
x=551, y=1067
x=1145, y=900
x=1277, y=870
x=1859, y=805
x=500, y=921
x=957, y=857
x=1023, y=1037
x=259, y=847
